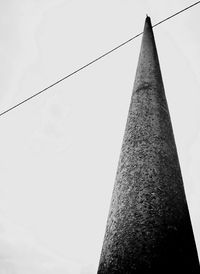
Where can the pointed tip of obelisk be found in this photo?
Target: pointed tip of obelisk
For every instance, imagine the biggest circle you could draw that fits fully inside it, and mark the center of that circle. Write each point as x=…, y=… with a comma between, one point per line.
x=148, y=21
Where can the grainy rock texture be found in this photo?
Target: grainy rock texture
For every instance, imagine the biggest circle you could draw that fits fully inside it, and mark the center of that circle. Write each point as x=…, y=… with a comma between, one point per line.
x=148, y=228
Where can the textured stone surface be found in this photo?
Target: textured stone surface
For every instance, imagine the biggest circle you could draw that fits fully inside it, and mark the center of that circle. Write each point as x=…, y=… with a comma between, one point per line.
x=148, y=228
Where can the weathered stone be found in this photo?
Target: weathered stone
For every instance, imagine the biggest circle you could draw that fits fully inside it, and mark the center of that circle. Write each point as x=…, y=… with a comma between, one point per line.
x=148, y=228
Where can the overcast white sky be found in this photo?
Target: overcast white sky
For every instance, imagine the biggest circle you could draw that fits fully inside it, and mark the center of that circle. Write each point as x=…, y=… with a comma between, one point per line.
x=59, y=152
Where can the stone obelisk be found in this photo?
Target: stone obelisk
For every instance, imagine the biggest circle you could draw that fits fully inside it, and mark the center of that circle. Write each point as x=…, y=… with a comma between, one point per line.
x=148, y=228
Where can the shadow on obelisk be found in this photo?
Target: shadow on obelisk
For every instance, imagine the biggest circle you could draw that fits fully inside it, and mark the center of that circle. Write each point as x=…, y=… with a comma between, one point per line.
x=148, y=228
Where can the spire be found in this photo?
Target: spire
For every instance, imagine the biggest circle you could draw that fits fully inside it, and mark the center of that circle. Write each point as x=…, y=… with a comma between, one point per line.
x=148, y=227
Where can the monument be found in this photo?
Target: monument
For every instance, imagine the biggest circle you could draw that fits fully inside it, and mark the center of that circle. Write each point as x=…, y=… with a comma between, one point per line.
x=148, y=227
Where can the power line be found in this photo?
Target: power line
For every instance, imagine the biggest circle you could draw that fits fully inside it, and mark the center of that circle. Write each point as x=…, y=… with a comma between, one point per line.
x=94, y=61
x=175, y=14
x=67, y=76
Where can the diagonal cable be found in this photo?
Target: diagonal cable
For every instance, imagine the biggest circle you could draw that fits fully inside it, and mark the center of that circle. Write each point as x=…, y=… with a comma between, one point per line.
x=94, y=61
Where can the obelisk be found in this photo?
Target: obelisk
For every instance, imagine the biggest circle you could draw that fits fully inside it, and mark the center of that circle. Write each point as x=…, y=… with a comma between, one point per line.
x=148, y=227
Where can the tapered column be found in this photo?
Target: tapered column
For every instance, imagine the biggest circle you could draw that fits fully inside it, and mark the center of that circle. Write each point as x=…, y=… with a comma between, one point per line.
x=148, y=228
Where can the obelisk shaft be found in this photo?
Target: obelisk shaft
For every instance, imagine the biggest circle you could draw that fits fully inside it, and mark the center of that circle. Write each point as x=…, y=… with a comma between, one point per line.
x=148, y=228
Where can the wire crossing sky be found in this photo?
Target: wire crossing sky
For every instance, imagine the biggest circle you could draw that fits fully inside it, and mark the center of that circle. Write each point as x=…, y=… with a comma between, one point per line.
x=94, y=61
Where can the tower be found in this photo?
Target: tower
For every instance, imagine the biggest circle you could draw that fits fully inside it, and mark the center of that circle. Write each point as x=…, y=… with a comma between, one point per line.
x=148, y=227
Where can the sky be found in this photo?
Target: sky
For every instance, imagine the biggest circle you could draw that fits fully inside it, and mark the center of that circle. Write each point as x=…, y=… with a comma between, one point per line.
x=59, y=151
